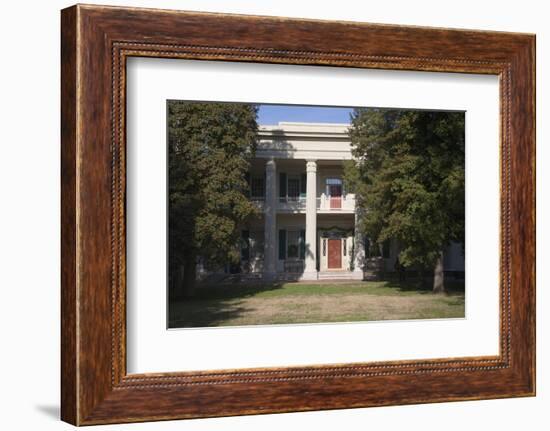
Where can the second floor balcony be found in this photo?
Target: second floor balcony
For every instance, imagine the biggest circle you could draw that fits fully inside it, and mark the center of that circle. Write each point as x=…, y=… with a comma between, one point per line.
x=282, y=185
x=324, y=203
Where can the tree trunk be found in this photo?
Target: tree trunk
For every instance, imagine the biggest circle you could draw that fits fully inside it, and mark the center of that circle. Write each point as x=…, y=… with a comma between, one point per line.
x=189, y=276
x=439, y=276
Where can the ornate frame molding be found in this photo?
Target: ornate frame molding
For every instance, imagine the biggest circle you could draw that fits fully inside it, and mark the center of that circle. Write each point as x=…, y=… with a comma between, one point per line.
x=96, y=41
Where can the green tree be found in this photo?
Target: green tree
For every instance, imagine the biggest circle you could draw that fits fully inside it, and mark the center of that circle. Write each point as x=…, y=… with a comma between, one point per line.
x=209, y=150
x=408, y=176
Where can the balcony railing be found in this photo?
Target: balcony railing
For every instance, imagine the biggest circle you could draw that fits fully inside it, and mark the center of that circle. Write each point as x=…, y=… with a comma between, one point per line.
x=340, y=203
x=325, y=203
x=291, y=203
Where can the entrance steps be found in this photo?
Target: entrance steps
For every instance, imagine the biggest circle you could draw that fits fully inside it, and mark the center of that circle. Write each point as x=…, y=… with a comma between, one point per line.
x=257, y=277
x=339, y=275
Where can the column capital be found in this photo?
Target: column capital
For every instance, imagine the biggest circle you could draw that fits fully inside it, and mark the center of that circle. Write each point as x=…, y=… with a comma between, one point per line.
x=311, y=165
x=270, y=164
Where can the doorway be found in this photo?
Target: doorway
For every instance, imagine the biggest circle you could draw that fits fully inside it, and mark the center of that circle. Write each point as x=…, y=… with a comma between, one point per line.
x=334, y=254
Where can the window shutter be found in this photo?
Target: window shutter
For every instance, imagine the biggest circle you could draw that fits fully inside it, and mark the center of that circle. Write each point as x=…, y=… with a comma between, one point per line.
x=282, y=244
x=386, y=249
x=302, y=244
x=282, y=185
x=303, y=185
x=245, y=245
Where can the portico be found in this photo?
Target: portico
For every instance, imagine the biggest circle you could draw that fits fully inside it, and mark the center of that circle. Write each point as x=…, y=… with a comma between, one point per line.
x=307, y=228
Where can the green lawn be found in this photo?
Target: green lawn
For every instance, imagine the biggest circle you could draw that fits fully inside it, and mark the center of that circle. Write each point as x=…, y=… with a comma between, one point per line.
x=283, y=303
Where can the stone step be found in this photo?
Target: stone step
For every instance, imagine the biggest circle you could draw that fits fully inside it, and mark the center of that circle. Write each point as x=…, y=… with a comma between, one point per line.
x=337, y=275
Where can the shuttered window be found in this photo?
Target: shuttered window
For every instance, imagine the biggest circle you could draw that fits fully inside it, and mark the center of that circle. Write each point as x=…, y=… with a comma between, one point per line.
x=292, y=251
x=293, y=187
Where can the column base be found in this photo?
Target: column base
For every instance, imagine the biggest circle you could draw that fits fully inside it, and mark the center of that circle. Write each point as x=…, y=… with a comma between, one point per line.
x=358, y=274
x=310, y=275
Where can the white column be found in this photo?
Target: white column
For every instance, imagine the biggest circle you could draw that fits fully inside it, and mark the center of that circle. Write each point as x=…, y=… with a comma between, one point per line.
x=310, y=272
x=358, y=248
x=270, y=227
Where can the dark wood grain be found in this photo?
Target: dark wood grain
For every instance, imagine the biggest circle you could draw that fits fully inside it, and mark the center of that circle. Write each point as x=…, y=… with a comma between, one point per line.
x=69, y=398
x=96, y=41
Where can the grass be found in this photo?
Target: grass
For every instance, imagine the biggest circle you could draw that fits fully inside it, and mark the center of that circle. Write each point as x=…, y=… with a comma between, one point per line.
x=286, y=303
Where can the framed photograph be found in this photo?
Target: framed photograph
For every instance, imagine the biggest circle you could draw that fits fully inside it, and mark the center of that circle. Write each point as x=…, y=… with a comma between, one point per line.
x=263, y=214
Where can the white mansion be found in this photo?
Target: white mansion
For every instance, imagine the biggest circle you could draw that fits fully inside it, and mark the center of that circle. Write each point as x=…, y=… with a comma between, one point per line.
x=307, y=227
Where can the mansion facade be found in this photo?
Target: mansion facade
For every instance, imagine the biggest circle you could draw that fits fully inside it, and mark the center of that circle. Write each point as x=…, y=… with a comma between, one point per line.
x=307, y=228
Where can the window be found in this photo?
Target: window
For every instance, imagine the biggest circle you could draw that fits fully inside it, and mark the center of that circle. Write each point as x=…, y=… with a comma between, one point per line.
x=344, y=242
x=257, y=187
x=293, y=246
x=334, y=187
x=293, y=187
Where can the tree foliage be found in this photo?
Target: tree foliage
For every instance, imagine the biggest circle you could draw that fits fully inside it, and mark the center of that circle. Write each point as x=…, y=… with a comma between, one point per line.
x=209, y=150
x=408, y=176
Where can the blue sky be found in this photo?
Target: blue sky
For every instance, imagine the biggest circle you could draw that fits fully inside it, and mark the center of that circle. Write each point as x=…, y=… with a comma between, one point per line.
x=272, y=114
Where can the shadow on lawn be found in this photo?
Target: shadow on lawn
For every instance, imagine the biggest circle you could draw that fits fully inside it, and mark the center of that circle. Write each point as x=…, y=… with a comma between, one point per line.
x=215, y=305
x=452, y=287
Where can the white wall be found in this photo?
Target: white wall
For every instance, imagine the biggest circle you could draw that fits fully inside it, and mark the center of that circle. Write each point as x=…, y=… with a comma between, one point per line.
x=29, y=232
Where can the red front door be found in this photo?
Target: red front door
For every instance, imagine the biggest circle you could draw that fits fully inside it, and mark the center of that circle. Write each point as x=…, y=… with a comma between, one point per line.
x=335, y=191
x=335, y=254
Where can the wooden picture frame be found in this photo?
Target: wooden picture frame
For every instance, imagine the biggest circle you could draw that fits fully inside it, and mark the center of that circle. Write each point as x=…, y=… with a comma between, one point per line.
x=95, y=43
